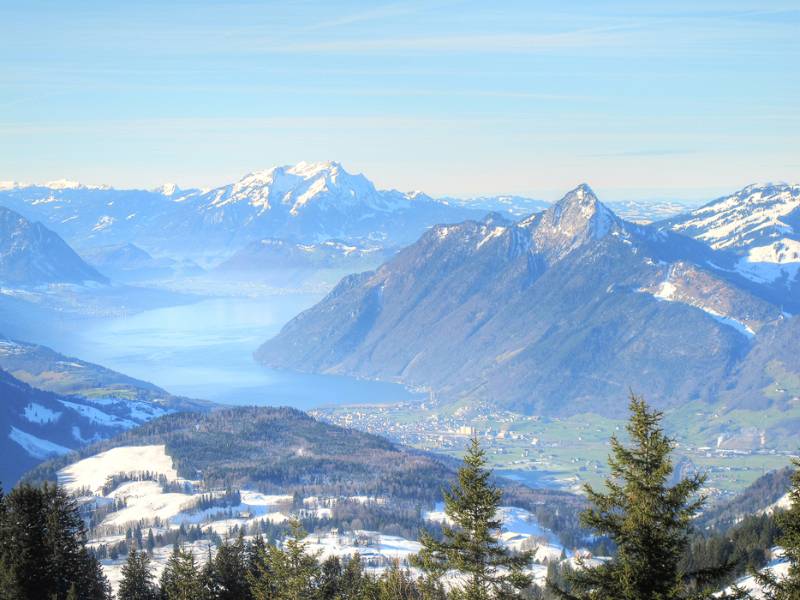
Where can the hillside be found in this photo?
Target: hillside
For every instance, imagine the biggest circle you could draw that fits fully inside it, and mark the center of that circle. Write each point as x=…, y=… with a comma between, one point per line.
x=46, y=369
x=31, y=254
x=284, y=450
x=36, y=425
x=557, y=314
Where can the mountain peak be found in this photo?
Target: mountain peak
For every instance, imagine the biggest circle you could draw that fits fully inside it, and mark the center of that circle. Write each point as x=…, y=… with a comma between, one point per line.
x=168, y=189
x=580, y=209
x=308, y=170
x=578, y=217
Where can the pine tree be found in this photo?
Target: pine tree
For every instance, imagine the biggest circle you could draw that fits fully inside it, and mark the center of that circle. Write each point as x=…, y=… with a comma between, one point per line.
x=295, y=568
x=354, y=583
x=288, y=573
x=330, y=574
x=181, y=577
x=648, y=520
x=43, y=547
x=788, y=587
x=397, y=584
x=227, y=572
x=137, y=578
x=471, y=546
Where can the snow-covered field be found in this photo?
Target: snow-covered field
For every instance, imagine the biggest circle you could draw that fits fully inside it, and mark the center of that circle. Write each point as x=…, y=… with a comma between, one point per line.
x=93, y=472
x=146, y=503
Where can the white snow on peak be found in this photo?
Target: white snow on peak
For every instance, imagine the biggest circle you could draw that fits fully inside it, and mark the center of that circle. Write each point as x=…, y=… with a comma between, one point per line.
x=668, y=292
x=36, y=447
x=745, y=217
x=309, y=170
x=168, y=189
x=64, y=184
x=493, y=233
x=294, y=188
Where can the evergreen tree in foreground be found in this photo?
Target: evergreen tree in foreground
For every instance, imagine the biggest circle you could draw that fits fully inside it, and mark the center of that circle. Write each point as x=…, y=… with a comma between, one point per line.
x=226, y=574
x=181, y=578
x=648, y=520
x=137, y=578
x=788, y=587
x=43, y=548
x=470, y=545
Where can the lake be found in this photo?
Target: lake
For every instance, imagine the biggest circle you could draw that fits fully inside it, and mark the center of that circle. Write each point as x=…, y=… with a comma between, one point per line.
x=204, y=350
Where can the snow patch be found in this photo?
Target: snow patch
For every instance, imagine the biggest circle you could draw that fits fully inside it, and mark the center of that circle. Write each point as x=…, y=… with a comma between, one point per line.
x=767, y=264
x=37, y=447
x=36, y=413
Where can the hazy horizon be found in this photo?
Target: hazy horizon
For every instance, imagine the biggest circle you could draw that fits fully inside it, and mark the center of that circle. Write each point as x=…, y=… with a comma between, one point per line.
x=454, y=98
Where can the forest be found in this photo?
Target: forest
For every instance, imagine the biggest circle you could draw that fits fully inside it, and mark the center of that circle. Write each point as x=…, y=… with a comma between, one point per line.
x=648, y=526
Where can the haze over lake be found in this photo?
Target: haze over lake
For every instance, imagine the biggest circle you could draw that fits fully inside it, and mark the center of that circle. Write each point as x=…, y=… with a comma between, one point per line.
x=204, y=350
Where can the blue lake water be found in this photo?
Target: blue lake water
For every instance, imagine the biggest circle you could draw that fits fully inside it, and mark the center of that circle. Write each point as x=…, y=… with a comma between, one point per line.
x=204, y=350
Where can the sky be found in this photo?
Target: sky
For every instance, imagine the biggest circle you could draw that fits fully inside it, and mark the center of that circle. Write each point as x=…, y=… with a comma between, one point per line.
x=642, y=100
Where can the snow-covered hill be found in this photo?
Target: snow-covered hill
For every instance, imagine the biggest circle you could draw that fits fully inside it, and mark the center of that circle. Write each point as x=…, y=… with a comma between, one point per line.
x=130, y=486
x=759, y=226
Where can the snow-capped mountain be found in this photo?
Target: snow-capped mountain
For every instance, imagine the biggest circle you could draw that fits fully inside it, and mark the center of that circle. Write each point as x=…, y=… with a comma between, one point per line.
x=561, y=312
x=31, y=254
x=759, y=226
x=307, y=202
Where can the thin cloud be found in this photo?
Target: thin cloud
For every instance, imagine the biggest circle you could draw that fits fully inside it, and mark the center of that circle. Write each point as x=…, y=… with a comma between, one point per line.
x=489, y=43
x=643, y=152
x=375, y=14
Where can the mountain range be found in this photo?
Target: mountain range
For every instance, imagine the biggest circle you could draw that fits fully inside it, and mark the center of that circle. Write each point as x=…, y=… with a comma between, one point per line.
x=307, y=202
x=560, y=313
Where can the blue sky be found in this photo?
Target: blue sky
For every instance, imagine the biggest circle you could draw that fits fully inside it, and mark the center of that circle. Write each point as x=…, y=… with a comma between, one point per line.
x=640, y=99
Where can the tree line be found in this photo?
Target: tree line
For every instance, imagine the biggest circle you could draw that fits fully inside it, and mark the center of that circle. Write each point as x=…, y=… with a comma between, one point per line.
x=647, y=520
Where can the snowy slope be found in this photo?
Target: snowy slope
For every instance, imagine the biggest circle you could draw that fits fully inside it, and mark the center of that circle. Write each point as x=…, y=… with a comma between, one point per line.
x=36, y=425
x=778, y=567
x=758, y=225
